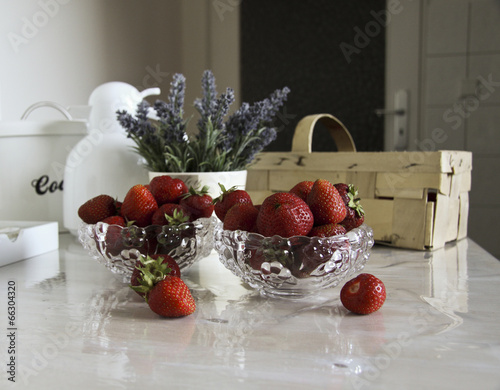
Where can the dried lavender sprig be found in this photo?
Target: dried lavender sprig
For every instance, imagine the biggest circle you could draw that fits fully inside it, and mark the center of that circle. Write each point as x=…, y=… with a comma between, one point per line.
x=171, y=113
x=249, y=130
x=206, y=104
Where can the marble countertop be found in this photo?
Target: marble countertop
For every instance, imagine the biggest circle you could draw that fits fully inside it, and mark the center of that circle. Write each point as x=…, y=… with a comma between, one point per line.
x=77, y=326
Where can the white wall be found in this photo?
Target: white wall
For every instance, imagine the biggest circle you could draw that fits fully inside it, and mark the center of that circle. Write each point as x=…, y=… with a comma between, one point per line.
x=60, y=50
x=461, y=95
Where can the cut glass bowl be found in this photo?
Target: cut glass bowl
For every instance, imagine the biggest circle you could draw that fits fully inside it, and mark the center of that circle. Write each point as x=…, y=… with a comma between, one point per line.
x=118, y=248
x=293, y=267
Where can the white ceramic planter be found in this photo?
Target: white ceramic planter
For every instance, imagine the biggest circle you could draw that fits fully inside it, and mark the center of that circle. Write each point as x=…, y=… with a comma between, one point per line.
x=210, y=179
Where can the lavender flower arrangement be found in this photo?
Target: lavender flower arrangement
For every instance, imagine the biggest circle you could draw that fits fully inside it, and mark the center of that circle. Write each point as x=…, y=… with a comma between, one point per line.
x=223, y=142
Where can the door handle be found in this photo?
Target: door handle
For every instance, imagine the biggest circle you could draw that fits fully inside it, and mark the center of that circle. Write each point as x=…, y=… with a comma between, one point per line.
x=382, y=111
x=399, y=129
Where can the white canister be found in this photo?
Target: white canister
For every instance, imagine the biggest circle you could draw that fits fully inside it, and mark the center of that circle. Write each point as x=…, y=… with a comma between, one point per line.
x=32, y=159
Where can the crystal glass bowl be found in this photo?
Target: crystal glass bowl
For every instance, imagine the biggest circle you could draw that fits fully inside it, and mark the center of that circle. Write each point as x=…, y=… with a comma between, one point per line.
x=118, y=248
x=293, y=267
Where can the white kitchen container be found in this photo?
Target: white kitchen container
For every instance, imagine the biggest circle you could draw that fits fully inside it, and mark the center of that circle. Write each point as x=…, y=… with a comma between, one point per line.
x=21, y=240
x=32, y=160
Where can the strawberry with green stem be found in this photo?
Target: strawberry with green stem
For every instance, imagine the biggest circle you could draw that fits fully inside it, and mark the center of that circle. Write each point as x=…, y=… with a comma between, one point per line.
x=355, y=215
x=166, y=294
x=170, y=214
x=228, y=198
x=325, y=203
x=198, y=203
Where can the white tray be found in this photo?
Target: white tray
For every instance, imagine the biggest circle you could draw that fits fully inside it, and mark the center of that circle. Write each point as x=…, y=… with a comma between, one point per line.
x=21, y=240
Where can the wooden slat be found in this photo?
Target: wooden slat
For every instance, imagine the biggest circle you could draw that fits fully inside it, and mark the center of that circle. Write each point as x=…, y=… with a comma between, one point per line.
x=364, y=181
x=285, y=180
x=258, y=196
x=257, y=180
x=464, y=215
x=440, y=220
x=390, y=184
x=408, y=223
x=379, y=217
x=430, y=162
x=429, y=225
x=453, y=218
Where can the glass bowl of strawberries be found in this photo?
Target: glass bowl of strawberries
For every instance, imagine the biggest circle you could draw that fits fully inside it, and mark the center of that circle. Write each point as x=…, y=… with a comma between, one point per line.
x=163, y=217
x=296, y=243
x=295, y=266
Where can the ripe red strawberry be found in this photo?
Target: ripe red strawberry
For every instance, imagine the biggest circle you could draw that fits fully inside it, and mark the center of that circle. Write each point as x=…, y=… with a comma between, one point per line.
x=165, y=189
x=170, y=214
x=284, y=214
x=325, y=203
x=302, y=189
x=229, y=198
x=139, y=205
x=242, y=216
x=355, y=214
x=329, y=230
x=96, y=209
x=364, y=294
x=198, y=203
x=171, y=297
x=150, y=269
x=115, y=220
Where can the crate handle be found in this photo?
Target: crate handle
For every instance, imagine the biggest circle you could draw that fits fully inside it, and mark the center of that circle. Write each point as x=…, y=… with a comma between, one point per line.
x=302, y=138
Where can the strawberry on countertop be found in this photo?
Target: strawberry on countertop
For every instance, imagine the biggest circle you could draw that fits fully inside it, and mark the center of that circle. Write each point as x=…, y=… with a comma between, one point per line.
x=166, y=294
x=171, y=297
x=364, y=294
x=150, y=269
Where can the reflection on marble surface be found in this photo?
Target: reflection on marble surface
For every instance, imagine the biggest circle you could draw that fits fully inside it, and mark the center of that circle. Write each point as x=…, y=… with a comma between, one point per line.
x=79, y=327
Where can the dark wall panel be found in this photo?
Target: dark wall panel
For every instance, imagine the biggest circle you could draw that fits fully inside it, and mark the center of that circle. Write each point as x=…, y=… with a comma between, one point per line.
x=330, y=53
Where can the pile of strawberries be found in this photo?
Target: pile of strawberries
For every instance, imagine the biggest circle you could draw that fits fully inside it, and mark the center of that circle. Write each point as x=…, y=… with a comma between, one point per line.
x=316, y=209
x=165, y=200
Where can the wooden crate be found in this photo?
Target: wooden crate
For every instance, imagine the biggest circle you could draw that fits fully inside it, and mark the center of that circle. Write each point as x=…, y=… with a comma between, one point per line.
x=417, y=200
